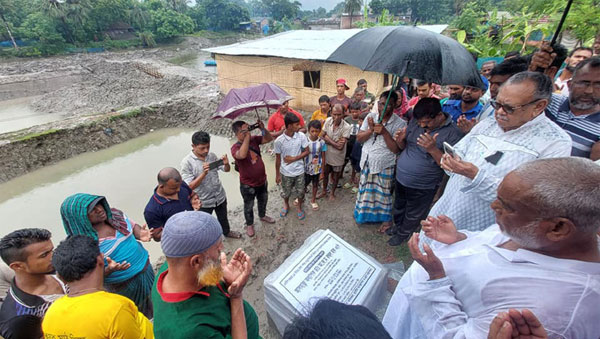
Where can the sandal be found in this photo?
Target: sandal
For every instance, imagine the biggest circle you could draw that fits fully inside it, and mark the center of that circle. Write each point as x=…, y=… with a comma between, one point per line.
x=314, y=206
x=283, y=212
x=233, y=235
x=301, y=215
x=354, y=189
x=347, y=185
x=250, y=230
x=384, y=227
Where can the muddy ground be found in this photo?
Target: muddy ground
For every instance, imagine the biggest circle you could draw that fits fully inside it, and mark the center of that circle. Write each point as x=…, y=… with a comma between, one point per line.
x=120, y=96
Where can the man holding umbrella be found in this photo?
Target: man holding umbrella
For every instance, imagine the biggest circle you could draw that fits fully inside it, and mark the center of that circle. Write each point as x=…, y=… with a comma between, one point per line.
x=253, y=177
x=276, y=125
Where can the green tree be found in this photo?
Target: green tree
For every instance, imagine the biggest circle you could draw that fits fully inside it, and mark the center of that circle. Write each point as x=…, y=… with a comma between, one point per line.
x=280, y=9
x=224, y=14
x=198, y=14
x=40, y=27
x=6, y=7
x=257, y=8
x=377, y=6
x=167, y=23
x=337, y=9
x=351, y=6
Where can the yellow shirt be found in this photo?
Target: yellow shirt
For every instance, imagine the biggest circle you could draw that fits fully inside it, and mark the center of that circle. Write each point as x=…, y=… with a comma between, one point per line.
x=318, y=115
x=99, y=315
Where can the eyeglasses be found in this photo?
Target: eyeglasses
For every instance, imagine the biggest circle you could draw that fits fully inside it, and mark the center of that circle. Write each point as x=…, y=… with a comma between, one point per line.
x=584, y=84
x=509, y=109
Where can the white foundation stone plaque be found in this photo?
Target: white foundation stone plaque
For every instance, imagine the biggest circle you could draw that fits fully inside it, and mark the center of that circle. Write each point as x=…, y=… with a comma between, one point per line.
x=325, y=266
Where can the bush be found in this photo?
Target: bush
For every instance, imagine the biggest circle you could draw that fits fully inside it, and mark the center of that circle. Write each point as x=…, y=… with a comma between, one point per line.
x=147, y=39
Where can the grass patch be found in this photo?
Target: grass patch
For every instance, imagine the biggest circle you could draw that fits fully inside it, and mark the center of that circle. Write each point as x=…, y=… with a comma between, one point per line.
x=182, y=59
x=126, y=115
x=36, y=135
x=223, y=34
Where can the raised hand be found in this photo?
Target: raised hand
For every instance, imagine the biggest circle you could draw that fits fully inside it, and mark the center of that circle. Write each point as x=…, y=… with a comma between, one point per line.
x=517, y=325
x=464, y=124
x=225, y=160
x=441, y=229
x=236, y=272
x=145, y=234
x=378, y=128
x=427, y=141
x=400, y=135
x=113, y=266
x=429, y=261
x=196, y=203
x=542, y=58
x=370, y=122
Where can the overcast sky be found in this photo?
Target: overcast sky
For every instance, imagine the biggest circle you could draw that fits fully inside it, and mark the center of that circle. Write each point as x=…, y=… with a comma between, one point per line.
x=314, y=4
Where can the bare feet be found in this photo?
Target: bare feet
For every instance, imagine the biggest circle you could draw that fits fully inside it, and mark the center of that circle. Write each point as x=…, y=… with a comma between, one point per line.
x=331, y=197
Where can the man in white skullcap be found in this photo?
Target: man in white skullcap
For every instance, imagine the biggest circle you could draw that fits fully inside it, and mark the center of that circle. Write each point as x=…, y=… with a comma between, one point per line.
x=198, y=293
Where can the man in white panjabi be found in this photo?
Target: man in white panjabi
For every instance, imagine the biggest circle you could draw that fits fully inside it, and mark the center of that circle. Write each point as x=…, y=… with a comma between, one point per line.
x=542, y=254
x=518, y=133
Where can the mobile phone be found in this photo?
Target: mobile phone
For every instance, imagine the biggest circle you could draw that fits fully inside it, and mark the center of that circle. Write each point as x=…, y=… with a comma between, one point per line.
x=448, y=149
x=215, y=164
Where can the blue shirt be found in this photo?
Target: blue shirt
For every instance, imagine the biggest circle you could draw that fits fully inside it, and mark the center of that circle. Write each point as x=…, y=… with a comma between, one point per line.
x=160, y=209
x=453, y=108
x=415, y=168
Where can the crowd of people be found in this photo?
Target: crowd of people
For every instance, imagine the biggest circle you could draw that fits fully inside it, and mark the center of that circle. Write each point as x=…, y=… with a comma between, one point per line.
x=491, y=188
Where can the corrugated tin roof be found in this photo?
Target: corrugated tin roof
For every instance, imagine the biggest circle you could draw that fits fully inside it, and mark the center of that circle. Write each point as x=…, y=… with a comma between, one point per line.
x=300, y=44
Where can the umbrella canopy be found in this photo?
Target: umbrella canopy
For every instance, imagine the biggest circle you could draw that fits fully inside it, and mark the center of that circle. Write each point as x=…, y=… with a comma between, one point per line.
x=241, y=100
x=410, y=51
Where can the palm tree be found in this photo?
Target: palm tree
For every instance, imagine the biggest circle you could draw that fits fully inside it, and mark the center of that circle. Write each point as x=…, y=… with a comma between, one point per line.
x=351, y=6
x=5, y=7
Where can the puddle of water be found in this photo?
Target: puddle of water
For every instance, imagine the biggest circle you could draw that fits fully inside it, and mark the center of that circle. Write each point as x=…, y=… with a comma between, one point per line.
x=125, y=174
x=16, y=114
x=195, y=61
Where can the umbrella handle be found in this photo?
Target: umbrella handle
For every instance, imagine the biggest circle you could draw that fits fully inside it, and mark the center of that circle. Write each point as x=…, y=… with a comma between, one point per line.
x=561, y=22
x=558, y=29
x=387, y=100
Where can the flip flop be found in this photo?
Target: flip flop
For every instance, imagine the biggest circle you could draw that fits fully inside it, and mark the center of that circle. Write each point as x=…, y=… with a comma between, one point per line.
x=301, y=215
x=314, y=205
x=283, y=212
x=347, y=185
x=354, y=189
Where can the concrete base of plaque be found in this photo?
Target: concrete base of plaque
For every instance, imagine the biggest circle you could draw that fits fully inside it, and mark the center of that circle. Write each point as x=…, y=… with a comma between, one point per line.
x=325, y=266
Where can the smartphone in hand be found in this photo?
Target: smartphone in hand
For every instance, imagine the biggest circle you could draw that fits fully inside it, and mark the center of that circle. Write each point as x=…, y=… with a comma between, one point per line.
x=448, y=149
x=215, y=164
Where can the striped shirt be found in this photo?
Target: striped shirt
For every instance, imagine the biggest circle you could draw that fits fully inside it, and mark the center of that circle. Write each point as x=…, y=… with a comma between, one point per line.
x=584, y=130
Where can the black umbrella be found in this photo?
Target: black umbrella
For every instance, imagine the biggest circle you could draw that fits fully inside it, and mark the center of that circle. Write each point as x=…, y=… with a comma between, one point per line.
x=410, y=51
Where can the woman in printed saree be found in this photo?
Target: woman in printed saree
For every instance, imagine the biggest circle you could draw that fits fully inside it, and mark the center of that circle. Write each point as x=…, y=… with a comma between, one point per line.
x=128, y=271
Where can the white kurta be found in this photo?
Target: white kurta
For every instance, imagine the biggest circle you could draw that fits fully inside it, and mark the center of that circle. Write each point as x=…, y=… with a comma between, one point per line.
x=466, y=201
x=483, y=280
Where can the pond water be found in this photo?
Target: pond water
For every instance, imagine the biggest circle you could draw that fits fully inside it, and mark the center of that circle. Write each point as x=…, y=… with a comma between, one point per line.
x=16, y=114
x=125, y=174
x=194, y=60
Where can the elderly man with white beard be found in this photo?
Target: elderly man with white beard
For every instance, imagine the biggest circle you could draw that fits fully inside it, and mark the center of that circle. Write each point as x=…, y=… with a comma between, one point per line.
x=198, y=294
x=518, y=133
x=542, y=255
